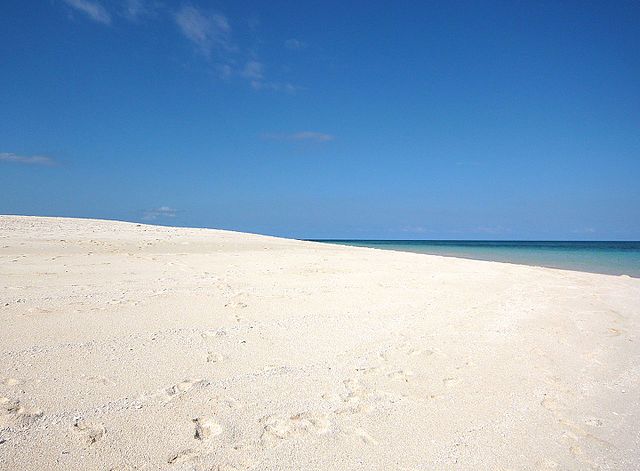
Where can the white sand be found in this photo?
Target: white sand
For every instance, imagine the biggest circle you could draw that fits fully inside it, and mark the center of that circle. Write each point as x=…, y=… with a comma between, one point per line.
x=139, y=347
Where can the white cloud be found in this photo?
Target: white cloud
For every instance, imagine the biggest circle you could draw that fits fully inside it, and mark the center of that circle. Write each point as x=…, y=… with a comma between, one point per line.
x=136, y=10
x=253, y=71
x=210, y=32
x=311, y=136
x=300, y=136
x=161, y=212
x=26, y=159
x=287, y=87
x=294, y=44
x=207, y=31
x=92, y=9
x=225, y=71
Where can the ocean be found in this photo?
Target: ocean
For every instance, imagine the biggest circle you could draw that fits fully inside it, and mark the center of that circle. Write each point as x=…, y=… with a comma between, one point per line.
x=613, y=258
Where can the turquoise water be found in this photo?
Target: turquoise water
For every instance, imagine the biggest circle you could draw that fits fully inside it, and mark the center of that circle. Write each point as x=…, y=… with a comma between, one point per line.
x=614, y=258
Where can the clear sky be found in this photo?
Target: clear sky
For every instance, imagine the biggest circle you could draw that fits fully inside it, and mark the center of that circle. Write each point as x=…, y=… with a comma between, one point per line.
x=438, y=119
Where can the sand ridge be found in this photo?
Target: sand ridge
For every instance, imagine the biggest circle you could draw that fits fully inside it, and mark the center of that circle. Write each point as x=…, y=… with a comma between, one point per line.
x=130, y=346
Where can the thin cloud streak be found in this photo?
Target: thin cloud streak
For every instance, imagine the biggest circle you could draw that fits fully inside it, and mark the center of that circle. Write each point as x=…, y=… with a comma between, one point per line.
x=210, y=33
x=136, y=10
x=312, y=136
x=26, y=159
x=253, y=70
x=294, y=44
x=276, y=86
x=206, y=31
x=161, y=212
x=92, y=9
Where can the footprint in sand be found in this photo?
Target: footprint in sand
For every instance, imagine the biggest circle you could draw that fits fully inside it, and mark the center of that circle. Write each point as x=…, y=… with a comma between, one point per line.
x=365, y=436
x=123, y=467
x=98, y=380
x=613, y=332
x=593, y=421
x=575, y=432
x=12, y=412
x=10, y=381
x=213, y=357
x=352, y=385
x=276, y=428
x=355, y=391
x=369, y=370
x=183, y=387
x=88, y=432
x=206, y=428
x=232, y=403
x=403, y=375
x=578, y=431
x=238, y=301
x=358, y=399
x=236, y=305
x=575, y=450
x=549, y=404
x=419, y=351
x=182, y=456
x=218, y=333
x=249, y=463
x=169, y=394
x=449, y=381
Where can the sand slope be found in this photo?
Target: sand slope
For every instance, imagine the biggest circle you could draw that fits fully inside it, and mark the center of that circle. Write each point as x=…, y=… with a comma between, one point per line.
x=127, y=346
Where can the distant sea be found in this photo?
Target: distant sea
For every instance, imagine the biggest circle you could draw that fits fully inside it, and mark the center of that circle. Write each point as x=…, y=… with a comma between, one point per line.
x=613, y=258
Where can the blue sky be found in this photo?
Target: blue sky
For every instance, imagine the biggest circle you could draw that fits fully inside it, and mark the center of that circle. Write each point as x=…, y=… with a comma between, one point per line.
x=427, y=120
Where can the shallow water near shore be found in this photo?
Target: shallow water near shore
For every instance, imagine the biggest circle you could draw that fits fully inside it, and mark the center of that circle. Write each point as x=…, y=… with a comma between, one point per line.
x=608, y=257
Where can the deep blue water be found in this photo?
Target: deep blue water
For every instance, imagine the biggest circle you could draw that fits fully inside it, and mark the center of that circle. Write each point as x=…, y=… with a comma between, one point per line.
x=614, y=258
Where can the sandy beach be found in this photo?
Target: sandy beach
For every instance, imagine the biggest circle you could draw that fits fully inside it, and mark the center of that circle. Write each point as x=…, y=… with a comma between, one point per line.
x=129, y=346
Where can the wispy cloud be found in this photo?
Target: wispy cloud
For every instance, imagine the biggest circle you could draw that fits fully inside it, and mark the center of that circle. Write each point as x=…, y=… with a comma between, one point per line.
x=210, y=32
x=161, y=212
x=26, y=159
x=206, y=30
x=312, y=136
x=254, y=72
x=92, y=9
x=492, y=230
x=225, y=71
x=276, y=86
x=416, y=230
x=136, y=10
x=294, y=44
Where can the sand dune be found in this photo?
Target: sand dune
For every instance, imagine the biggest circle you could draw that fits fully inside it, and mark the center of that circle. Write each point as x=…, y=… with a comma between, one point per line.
x=128, y=346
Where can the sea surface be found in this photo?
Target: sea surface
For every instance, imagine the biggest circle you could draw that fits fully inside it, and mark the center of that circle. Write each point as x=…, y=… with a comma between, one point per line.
x=613, y=258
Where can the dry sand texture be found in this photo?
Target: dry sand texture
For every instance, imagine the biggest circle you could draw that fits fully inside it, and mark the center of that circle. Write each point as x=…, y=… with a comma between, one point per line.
x=126, y=346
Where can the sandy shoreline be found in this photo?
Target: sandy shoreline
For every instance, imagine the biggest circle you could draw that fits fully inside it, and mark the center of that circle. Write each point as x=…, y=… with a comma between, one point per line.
x=126, y=346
